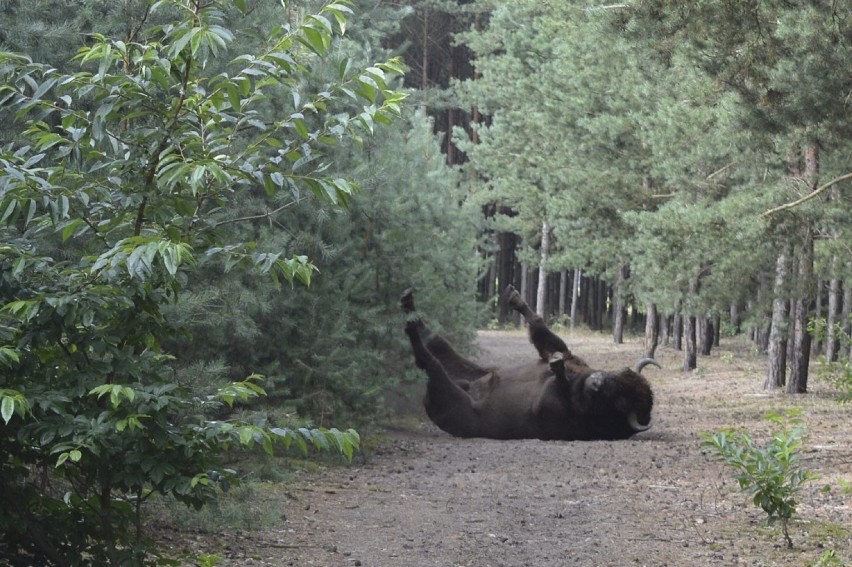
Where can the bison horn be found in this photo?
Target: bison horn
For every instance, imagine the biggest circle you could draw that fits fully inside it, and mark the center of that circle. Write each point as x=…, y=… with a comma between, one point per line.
x=645, y=362
x=633, y=422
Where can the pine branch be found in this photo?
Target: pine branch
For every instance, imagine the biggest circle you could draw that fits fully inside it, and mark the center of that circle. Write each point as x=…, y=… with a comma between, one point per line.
x=807, y=197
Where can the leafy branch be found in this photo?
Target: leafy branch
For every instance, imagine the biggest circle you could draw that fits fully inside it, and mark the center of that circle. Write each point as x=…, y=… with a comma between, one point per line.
x=808, y=197
x=770, y=473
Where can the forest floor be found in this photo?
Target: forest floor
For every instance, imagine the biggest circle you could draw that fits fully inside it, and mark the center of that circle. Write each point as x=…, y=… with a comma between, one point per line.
x=424, y=498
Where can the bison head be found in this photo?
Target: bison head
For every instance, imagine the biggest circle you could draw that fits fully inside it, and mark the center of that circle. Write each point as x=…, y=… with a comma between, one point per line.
x=614, y=404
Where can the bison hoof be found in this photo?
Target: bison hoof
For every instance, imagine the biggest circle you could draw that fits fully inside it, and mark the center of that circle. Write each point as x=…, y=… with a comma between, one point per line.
x=407, y=300
x=511, y=297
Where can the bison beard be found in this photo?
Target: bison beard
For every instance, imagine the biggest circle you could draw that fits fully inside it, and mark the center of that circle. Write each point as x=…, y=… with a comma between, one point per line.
x=557, y=396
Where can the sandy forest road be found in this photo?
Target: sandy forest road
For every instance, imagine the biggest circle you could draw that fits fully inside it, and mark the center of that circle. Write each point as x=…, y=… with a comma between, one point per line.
x=425, y=498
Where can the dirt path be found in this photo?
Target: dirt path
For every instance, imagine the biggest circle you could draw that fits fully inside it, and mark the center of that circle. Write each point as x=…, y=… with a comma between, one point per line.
x=425, y=498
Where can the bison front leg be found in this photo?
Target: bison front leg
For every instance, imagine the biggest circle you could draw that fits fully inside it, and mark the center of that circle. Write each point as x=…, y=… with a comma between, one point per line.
x=447, y=404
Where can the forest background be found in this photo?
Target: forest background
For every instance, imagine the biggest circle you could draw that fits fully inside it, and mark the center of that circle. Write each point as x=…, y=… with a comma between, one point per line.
x=678, y=167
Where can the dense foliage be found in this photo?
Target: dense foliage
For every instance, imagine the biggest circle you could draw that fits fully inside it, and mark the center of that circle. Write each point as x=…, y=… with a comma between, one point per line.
x=690, y=154
x=116, y=188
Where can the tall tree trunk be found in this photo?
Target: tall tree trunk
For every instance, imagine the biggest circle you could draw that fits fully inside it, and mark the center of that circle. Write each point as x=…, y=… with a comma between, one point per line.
x=706, y=330
x=677, y=326
x=524, y=285
x=652, y=329
x=816, y=342
x=735, y=318
x=801, y=351
x=542, y=270
x=717, y=330
x=506, y=271
x=798, y=383
x=690, y=356
x=831, y=315
x=592, y=311
x=424, y=62
x=575, y=296
x=619, y=312
x=665, y=328
x=762, y=323
x=776, y=372
x=846, y=313
x=563, y=291
x=490, y=290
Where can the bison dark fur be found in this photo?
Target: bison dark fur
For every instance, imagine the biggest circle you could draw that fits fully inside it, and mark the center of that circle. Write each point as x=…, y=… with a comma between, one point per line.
x=557, y=396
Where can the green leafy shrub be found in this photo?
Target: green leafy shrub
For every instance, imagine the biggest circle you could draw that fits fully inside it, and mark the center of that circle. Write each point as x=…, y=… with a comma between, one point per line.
x=771, y=473
x=116, y=182
x=828, y=558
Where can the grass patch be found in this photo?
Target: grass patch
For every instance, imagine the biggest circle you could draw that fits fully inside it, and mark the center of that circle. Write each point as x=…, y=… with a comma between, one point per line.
x=250, y=506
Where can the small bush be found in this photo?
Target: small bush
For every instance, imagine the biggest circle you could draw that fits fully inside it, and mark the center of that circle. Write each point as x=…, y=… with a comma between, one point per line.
x=770, y=473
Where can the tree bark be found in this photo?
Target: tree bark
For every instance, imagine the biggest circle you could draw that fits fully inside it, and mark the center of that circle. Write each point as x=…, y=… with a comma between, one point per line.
x=677, y=327
x=618, y=310
x=524, y=285
x=801, y=351
x=575, y=296
x=593, y=311
x=798, y=383
x=735, y=318
x=652, y=329
x=665, y=328
x=776, y=372
x=563, y=291
x=690, y=356
x=816, y=342
x=831, y=315
x=846, y=314
x=762, y=323
x=717, y=330
x=706, y=329
x=542, y=270
x=506, y=272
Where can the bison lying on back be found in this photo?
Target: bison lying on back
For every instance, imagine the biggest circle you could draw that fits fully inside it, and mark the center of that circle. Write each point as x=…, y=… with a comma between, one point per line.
x=555, y=397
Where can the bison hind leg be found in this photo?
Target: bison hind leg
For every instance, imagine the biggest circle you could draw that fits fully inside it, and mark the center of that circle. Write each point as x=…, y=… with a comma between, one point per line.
x=407, y=301
x=545, y=341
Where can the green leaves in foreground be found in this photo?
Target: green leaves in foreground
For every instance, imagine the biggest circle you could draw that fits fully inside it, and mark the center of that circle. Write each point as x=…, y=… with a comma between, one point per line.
x=119, y=181
x=770, y=473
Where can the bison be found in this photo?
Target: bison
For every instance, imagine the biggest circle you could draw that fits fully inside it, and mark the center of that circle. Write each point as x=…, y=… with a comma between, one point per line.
x=557, y=396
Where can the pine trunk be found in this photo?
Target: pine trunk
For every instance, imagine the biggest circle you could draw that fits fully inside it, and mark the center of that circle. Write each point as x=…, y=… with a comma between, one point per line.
x=735, y=318
x=706, y=330
x=619, y=312
x=800, y=360
x=575, y=296
x=762, y=325
x=717, y=330
x=776, y=373
x=542, y=270
x=665, y=329
x=846, y=314
x=831, y=315
x=801, y=348
x=506, y=272
x=652, y=330
x=816, y=342
x=690, y=353
x=677, y=327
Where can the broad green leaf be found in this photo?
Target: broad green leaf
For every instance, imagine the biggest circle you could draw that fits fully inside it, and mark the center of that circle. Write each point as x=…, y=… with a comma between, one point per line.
x=7, y=408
